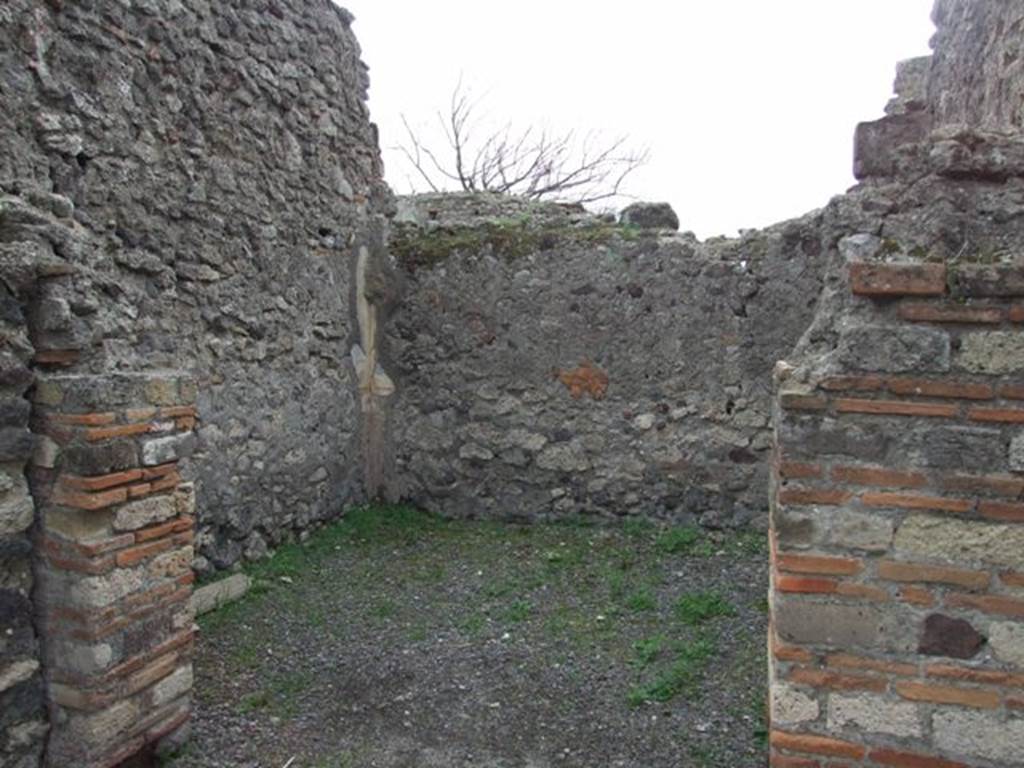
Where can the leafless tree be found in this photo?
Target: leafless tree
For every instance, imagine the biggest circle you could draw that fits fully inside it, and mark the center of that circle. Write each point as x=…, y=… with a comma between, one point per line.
x=532, y=163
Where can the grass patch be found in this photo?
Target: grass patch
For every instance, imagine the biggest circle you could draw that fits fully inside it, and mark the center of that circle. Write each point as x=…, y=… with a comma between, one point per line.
x=678, y=540
x=682, y=676
x=647, y=650
x=642, y=600
x=698, y=607
x=518, y=611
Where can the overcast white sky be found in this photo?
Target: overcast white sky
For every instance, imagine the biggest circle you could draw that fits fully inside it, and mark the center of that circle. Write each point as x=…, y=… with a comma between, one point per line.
x=747, y=106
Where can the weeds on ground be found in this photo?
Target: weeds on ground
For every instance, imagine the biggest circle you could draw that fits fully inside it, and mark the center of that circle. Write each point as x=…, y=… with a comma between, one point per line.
x=698, y=607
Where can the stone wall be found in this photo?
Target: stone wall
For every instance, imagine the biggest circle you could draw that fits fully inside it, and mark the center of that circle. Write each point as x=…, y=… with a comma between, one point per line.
x=220, y=168
x=897, y=549
x=115, y=548
x=551, y=363
x=183, y=186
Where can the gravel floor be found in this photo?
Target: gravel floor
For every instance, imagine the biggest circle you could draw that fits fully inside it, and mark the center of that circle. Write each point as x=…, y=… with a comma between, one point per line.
x=394, y=639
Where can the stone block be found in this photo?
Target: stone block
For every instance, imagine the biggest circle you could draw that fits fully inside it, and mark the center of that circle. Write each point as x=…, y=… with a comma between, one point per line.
x=139, y=514
x=100, y=458
x=945, y=636
x=991, y=352
x=166, y=449
x=871, y=532
x=17, y=510
x=790, y=705
x=894, y=349
x=211, y=596
x=961, y=541
x=176, y=684
x=813, y=622
x=985, y=735
x=873, y=714
x=1006, y=639
x=17, y=673
x=1016, y=456
x=16, y=444
x=86, y=592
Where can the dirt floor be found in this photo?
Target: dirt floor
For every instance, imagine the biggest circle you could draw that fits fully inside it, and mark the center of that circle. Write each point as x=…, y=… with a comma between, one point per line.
x=395, y=639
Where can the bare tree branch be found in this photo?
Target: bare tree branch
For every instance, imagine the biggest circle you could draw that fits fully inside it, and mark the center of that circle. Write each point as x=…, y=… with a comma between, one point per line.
x=530, y=163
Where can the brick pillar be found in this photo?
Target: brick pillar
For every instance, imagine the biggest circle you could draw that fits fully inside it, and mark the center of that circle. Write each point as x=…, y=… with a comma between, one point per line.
x=898, y=530
x=114, y=561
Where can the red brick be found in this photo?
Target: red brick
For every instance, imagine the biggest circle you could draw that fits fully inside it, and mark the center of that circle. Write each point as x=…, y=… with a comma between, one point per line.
x=56, y=356
x=863, y=591
x=140, y=414
x=156, y=531
x=896, y=407
x=805, y=585
x=1014, y=702
x=914, y=501
x=100, y=482
x=185, y=423
x=794, y=402
x=1012, y=391
x=879, y=476
x=999, y=415
x=847, y=383
x=893, y=570
x=826, y=496
x=997, y=604
x=922, y=312
x=166, y=482
x=139, y=490
x=823, y=678
x=899, y=759
x=1012, y=578
x=975, y=675
x=792, y=470
x=784, y=652
x=103, y=546
x=947, y=694
x=1000, y=510
x=83, y=419
x=904, y=279
x=929, y=388
x=184, y=523
x=915, y=595
x=128, y=557
x=186, y=578
x=849, y=661
x=170, y=725
x=819, y=564
x=1003, y=485
x=124, y=430
x=815, y=745
x=91, y=567
x=779, y=760
x=184, y=538
x=159, y=471
x=89, y=501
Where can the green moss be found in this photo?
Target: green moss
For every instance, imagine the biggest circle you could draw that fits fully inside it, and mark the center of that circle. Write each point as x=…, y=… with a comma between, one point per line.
x=508, y=239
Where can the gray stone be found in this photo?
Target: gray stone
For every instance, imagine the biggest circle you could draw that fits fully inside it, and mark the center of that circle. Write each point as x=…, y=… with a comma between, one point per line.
x=960, y=541
x=979, y=734
x=991, y=352
x=1016, y=456
x=1006, y=639
x=650, y=216
x=812, y=622
x=211, y=596
x=143, y=512
x=17, y=673
x=894, y=349
x=790, y=705
x=873, y=714
x=165, y=449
